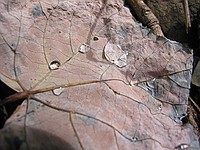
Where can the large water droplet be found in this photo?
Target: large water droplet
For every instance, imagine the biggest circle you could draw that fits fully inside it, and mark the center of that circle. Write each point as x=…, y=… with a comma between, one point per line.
x=58, y=91
x=114, y=54
x=54, y=65
x=121, y=62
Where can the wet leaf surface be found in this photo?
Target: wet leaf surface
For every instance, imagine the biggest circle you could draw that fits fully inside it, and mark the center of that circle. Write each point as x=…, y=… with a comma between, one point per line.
x=128, y=89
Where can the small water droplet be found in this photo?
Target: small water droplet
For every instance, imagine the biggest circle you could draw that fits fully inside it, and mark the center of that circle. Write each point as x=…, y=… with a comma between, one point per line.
x=182, y=147
x=37, y=11
x=49, y=10
x=184, y=118
x=54, y=65
x=13, y=45
x=134, y=139
x=58, y=91
x=133, y=82
x=84, y=48
x=95, y=38
x=160, y=107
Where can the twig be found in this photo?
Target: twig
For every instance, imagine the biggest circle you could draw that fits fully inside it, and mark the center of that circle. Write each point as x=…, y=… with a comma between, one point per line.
x=194, y=103
x=146, y=16
x=187, y=15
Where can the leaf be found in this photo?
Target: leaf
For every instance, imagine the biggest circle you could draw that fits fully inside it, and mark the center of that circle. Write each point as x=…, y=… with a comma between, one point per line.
x=81, y=98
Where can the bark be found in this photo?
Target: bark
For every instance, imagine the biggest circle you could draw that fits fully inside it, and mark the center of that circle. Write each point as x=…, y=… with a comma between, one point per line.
x=187, y=15
x=146, y=16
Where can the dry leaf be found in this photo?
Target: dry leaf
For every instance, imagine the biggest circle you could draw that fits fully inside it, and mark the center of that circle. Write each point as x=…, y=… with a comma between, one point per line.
x=97, y=104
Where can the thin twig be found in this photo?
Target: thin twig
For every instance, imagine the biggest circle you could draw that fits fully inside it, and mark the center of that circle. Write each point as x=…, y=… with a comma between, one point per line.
x=194, y=103
x=187, y=15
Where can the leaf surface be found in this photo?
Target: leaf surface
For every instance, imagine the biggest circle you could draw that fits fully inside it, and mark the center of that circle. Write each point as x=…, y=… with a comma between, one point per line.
x=95, y=78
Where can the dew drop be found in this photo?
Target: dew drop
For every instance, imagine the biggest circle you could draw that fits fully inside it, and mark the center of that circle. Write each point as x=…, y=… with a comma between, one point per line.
x=49, y=10
x=182, y=146
x=58, y=91
x=95, y=38
x=114, y=54
x=160, y=107
x=13, y=45
x=54, y=65
x=133, y=82
x=134, y=139
x=84, y=48
x=184, y=118
x=37, y=11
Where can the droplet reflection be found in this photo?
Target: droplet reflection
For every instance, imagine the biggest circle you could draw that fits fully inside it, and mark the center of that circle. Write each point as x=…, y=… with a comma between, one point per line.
x=54, y=65
x=84, y=48
x=58, y=91
x=95, y=38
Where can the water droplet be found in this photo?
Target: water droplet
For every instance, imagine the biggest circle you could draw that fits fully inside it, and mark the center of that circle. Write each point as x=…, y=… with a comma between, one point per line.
x=160, y=107
x=134, y=139
x=84, y=48
x=54, y=65
x=114, y=54
x=58, y=91
x=184, y=118
x=37, y=11
x=13, y=45
x=121, y=62
x=95, y=38
x=182, y=146
x=49, y=10
x=133, y=82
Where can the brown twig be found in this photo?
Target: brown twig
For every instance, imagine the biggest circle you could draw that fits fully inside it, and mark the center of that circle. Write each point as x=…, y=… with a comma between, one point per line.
x=193, y=102
x=187, y=15
x=146, y=16
x=15, y=97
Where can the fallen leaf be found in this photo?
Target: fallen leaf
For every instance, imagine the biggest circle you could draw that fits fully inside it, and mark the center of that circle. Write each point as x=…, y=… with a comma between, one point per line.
x=105, y=99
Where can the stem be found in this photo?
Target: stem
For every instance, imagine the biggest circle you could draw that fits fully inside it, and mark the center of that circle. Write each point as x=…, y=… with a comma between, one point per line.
x=15, y=97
